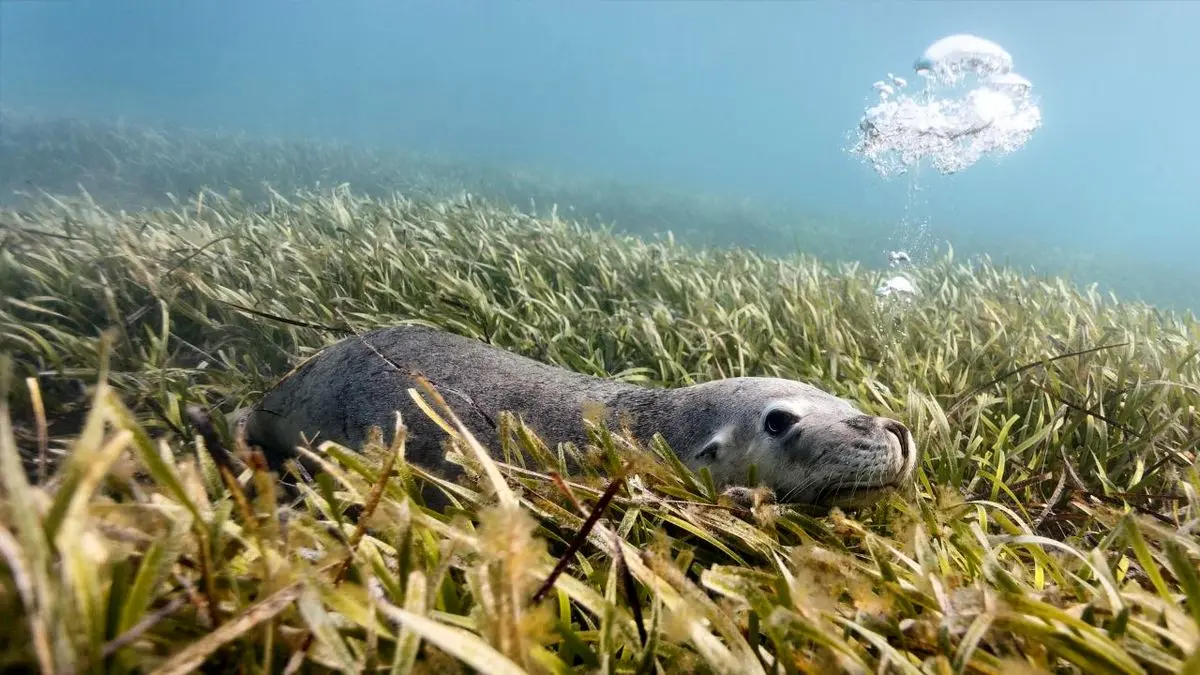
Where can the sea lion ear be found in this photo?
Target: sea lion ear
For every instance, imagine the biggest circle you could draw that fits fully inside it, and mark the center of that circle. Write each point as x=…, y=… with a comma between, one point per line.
x=711, y=448
x=709, y=452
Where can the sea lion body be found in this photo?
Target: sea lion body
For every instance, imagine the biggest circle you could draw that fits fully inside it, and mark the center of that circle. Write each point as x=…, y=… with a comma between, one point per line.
x=806, y=443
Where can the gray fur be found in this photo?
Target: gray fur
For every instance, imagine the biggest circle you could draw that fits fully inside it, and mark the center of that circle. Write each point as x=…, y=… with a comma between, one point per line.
x=363, y=380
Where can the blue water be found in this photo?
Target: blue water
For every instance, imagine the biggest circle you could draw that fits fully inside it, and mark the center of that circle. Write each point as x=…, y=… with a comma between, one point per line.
x=733, y=98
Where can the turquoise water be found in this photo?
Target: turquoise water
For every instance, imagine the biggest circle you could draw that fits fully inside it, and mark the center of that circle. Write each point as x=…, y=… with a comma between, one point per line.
x=739, y=99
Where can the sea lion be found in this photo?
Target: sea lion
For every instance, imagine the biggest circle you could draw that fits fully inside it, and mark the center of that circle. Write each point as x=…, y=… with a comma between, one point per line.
x=808, y=445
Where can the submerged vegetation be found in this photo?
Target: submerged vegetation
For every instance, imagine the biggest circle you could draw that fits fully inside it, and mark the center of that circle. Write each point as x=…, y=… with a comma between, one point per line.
x=1052, y=527
x=126, y=165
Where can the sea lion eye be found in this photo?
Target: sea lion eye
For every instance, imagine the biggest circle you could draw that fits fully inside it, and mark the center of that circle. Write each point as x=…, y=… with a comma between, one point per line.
x=779, y=421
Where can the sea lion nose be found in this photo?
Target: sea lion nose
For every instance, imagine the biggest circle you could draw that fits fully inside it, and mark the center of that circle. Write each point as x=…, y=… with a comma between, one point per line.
x=904, y=440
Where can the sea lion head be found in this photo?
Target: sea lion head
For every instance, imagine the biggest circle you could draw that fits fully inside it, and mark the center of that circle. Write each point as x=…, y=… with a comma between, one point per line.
x=807, y=445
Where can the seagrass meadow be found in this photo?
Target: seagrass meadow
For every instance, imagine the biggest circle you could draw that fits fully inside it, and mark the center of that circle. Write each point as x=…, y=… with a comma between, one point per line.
x=1051, y=528
x=125, y=164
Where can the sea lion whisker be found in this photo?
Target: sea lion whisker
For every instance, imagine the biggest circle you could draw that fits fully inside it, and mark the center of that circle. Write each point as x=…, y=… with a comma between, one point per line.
x=805, y=484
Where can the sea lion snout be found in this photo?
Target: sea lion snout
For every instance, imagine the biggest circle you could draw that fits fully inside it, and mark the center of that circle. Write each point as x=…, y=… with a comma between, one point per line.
x=896, y=438
x=903, y=444
x=847, y=457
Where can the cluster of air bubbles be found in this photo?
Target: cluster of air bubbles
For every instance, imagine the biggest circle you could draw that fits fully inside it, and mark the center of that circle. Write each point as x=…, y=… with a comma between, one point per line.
x=973, y=104
x=897, y=285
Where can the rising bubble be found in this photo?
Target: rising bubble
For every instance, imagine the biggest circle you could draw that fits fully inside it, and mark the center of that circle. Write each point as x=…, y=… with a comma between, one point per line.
x=972, y=104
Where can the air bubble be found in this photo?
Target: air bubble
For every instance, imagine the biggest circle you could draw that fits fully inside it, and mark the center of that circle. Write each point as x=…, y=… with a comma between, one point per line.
x=956, y=119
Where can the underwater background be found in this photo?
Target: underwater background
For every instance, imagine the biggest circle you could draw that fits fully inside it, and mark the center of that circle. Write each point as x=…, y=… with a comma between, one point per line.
x=744, y=108
x=197, y=197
